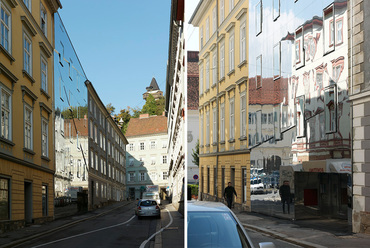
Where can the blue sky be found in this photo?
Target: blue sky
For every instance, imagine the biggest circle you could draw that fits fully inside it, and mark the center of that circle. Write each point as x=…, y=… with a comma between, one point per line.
x=121, y=45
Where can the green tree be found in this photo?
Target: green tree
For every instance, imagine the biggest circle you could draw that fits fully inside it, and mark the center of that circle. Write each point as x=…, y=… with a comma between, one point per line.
x=110, y=108
x=126, y=116
x=150, y=107
x=195, y=154
x=74, y=112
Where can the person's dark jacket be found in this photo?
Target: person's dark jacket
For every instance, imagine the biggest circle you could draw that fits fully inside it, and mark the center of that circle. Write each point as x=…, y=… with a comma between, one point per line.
x=284, y=191
x=229, y=191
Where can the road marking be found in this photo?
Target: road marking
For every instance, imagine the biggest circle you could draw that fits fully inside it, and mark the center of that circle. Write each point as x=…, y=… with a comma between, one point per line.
x=146, y=241
x=81, y=234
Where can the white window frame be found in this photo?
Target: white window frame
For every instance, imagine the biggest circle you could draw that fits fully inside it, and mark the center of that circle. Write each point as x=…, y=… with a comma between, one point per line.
x=243, y=114
x=6, y=39
x=243, y=44
x=201, y=79
x=142, y=146
x=222, y=61
x=44, y=73
x=28, y=4
x=201, y=129
x=207, y=127
x=207, y=74
x=131, y=147
x=6, y=126
x=28, y=127
x=214, y=68
x=201, y=37
x=214, y=129
x=44, y=137
x=231, y=52
x=165, y=175
x=152, y=145
x=222, y=11
x=231, y=5
x=207, y=29
x=43, y=20
x=164, y=159
x=214, y=20
x=232, y=118
x=258, y=17
x=222, y=122
x=142, y=176
x=27, y=53
x=339, y=31
x=275, y=9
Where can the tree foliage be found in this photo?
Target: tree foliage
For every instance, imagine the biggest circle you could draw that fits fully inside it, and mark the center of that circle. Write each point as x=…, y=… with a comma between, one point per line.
x=110, y=108
x=74, y=112
x=195, y=154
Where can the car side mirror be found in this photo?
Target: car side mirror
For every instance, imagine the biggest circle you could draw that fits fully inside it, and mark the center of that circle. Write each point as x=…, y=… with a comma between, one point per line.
x=266, y=245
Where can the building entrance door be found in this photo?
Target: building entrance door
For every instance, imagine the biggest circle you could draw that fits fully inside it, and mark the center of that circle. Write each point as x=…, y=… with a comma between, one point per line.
x=28, y=202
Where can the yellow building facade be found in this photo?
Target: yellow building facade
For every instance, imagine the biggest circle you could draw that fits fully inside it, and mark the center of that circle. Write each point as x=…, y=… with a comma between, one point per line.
x=27, y=127
x=223, y=99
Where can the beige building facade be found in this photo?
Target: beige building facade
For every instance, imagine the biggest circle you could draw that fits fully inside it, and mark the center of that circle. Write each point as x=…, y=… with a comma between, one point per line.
x=223, y=98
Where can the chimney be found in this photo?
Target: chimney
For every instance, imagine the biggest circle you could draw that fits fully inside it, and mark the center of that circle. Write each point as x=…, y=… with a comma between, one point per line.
x=142, y=116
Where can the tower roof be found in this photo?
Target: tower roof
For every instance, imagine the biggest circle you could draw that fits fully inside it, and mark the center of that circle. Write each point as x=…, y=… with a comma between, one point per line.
x=153, y=85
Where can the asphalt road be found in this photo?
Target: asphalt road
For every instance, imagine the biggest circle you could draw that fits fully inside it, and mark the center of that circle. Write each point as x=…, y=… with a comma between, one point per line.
x=119, y=228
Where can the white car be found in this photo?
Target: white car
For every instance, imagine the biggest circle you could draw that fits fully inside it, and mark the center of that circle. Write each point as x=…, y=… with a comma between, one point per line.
x=213, y=225
x=147, y=208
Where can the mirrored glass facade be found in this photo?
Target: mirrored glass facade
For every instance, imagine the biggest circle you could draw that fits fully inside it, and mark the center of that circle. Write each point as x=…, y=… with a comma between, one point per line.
x=71, y=109
x=299, y=113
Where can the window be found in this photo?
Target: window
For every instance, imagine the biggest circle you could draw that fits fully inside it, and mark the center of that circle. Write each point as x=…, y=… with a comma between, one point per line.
x=142, y=146
x=207, y=29
x=5, y=120
x=276, y=9
x=339, y=29
x=207, y=74
x=329, y=29
x=27, y=54
x=259, y=71
x=222, y=11
x=201, y=79
x=44, y=74
x=4, y=196
x=152, y=159
x=44, y=190
x=28, y=139
x=43, y=20
x=231, y=5
x=207, y=128
x=258, y=17
x=214, y=129
x=243, y=114
x=131, y=147
x=232, y=119
x=214, y=69
x=96, y=162
x=152, y=145
x=222, y=122
x=165, y=175
x=142, y=176
x=222, y=61
x=96, y=134
x=164, y=144
x=201, y=37
x=164, y=159
x=97, y=189
x=201, y=130
x=243, y=44
x=28, y=4
x=300, y=123
x=276, y=60
x=44, y=140
x=231, y=53
x=214, y=20
x=330, y=109
x=5, y=25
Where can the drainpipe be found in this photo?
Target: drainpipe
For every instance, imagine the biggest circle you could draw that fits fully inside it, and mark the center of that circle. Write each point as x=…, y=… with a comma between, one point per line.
x=217, y=104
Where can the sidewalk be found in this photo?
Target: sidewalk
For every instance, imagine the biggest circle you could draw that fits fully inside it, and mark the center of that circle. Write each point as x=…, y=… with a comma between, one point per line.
x=305, y=233
x=11, y=239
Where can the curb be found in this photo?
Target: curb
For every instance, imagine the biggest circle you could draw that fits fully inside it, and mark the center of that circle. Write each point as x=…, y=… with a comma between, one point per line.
x=158, y=238
x=20, y=241
x=280, y=236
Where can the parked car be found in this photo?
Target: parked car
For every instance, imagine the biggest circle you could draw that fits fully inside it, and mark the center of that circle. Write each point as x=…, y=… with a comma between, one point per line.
x=212, y=224
x=147, y=207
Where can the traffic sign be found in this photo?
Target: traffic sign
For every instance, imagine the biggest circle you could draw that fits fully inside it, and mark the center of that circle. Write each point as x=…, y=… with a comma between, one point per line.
x=195, y=177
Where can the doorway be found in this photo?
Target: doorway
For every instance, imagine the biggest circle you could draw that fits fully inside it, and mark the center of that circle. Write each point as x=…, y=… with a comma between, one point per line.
x=28, y=202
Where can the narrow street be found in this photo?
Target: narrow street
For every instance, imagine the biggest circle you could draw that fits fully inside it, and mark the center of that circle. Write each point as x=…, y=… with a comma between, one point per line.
x=118, y=228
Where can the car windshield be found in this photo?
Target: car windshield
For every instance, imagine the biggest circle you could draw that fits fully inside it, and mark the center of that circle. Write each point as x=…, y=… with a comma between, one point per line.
x=148, y=203
x=214, y=229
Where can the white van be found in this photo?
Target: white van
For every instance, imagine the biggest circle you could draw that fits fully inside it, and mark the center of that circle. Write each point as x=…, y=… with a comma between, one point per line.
x=152, y=195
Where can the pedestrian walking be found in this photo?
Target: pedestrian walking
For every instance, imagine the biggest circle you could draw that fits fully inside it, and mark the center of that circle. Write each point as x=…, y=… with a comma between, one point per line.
x=284, y=192
x=229, y=194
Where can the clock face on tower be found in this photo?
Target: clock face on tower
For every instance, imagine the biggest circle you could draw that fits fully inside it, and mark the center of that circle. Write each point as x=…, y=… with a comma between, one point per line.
x=190, y=136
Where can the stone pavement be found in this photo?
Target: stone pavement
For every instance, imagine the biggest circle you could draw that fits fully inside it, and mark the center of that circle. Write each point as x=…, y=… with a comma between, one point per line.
x=305, y=233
